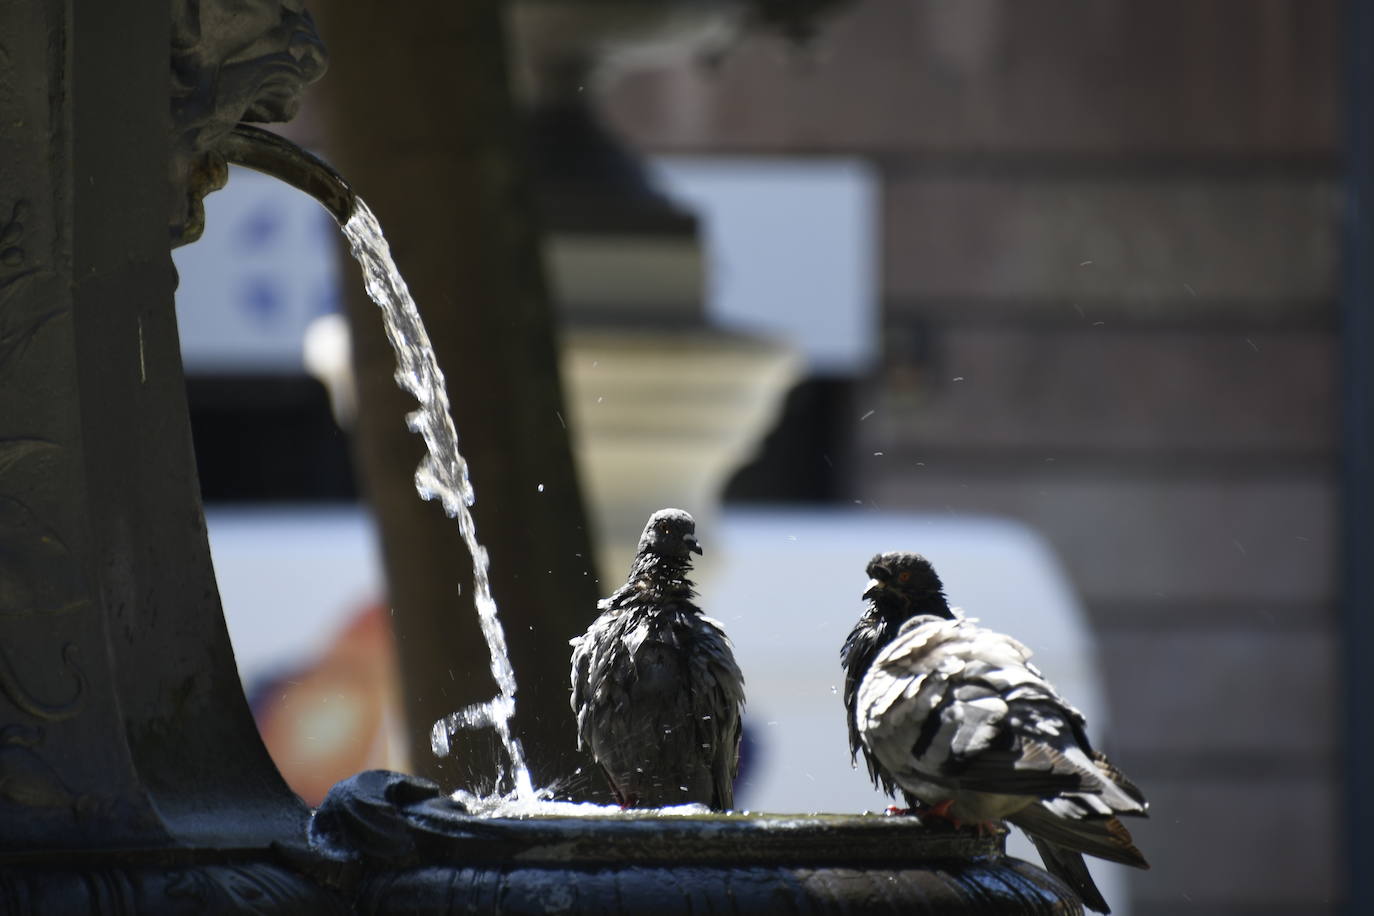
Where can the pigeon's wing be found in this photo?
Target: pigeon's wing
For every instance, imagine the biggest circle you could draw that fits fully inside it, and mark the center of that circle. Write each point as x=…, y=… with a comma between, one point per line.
x=725, y=768
x=599, y=660
x=973, y=741
x=961, y=706
x=894, y=697
x=1119, y=780
x=587, y=664
x=717, y=687
x=860, y=648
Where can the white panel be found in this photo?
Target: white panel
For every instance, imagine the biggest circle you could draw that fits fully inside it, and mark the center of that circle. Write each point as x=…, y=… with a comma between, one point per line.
x=791, y=250
x=263, y=270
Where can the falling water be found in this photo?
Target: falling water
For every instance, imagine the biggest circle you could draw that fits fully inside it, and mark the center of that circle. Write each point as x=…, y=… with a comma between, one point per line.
x=442, y=475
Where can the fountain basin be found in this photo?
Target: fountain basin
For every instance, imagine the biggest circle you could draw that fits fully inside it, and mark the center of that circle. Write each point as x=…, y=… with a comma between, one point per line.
x=721, y=863
x=392, y=844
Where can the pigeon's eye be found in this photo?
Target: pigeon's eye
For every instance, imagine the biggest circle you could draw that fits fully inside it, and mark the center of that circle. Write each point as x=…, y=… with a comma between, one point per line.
x=662, y=529
x=903, y=576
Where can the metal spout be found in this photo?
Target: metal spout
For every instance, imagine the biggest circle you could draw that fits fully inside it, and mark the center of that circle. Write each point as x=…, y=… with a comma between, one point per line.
x=274, y=155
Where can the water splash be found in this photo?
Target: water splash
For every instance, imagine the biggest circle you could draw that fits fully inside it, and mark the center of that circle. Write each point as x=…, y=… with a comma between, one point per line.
x=442, y=475
x=496, y=806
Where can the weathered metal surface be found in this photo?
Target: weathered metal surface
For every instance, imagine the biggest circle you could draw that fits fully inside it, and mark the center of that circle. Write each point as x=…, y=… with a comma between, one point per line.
x=122, y=722
x=274, y=155
x=119, y=885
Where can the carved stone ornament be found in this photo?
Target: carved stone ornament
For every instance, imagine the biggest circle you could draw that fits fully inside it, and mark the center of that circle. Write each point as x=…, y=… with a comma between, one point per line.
x=231, y=62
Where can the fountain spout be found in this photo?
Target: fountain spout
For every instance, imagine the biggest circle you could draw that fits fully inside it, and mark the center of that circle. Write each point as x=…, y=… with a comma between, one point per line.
x=273, y=154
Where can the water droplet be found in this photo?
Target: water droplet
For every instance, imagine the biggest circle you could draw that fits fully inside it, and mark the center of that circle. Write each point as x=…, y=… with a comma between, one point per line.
x=438, y=739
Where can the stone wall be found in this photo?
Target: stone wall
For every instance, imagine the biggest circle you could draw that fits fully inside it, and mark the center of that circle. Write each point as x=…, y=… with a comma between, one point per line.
x=1109, y=269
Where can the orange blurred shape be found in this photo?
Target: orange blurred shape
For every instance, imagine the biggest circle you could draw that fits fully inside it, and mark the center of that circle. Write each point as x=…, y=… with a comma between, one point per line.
x=339, y=715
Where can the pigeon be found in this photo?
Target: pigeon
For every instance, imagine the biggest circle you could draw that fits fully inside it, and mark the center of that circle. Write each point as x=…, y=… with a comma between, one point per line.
x=655, y=687
x=956, y=717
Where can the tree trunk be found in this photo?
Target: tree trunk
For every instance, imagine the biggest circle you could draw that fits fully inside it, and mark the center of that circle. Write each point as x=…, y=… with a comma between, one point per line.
x=422, y=121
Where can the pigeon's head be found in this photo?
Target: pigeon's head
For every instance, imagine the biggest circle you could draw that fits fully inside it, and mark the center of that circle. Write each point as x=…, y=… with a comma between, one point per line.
x=902, y=584
x=670, y=533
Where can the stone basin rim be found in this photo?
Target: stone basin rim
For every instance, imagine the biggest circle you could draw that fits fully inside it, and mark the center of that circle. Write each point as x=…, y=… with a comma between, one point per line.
x=778, y=839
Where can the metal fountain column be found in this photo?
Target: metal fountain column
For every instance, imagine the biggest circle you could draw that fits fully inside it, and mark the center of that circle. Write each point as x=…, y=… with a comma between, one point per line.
x=122, y=723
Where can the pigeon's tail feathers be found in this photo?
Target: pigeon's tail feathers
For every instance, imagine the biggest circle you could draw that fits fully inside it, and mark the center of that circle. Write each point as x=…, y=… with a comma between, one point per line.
x=621, y=798
x=1103, y=837
x=1069, y=867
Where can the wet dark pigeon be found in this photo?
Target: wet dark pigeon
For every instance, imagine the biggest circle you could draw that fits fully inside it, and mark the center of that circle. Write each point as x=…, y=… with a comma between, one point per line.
x=655, y=687
x=956, y=717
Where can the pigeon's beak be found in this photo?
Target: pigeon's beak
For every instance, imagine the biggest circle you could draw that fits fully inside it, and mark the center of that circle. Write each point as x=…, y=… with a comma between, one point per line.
x=692, y=544
x=874, y=587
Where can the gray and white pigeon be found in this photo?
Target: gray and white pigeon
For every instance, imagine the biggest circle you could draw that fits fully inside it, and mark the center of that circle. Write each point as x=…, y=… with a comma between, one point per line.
x=957, y=717
x=655, y=687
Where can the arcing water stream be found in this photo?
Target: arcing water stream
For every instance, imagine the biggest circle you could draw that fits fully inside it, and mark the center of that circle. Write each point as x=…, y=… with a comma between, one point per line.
x=443, y=474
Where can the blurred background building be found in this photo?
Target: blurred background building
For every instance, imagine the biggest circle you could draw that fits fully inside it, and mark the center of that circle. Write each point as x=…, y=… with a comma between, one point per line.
x=1050, y=287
